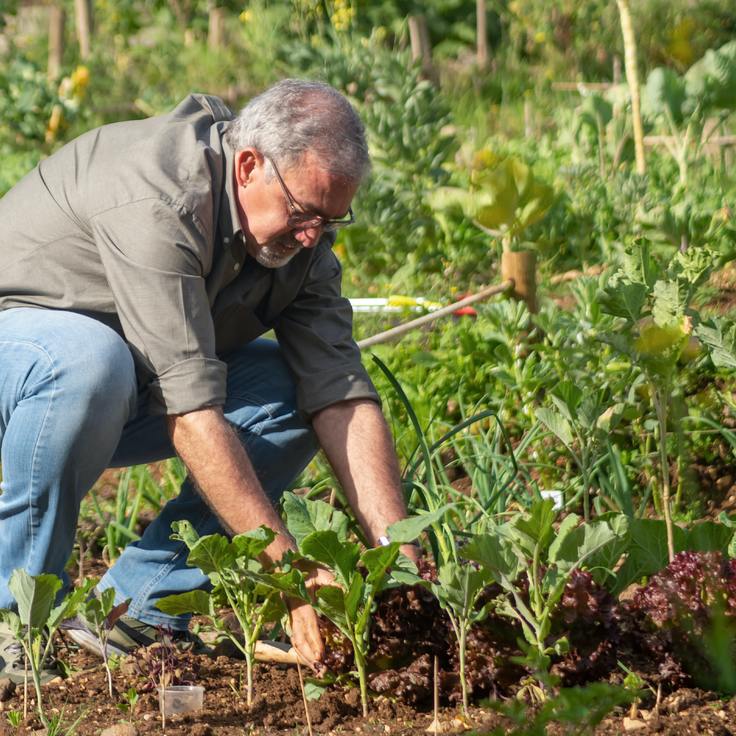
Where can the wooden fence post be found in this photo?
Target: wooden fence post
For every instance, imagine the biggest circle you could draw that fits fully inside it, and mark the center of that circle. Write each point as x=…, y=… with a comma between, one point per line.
x=83, y=17
x=521, y=267
x=57, y=22
x=420, y=48
x=481, y=32
x=216, y=29
x=632, y=78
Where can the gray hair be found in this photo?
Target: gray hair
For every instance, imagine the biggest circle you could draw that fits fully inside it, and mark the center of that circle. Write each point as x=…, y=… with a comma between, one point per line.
x=295, y=116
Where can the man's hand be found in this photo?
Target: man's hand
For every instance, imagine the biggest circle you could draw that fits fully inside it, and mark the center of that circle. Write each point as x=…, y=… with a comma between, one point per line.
x=305, y=636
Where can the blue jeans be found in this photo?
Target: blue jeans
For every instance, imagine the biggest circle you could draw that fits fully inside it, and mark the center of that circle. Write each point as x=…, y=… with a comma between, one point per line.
x=70, y=407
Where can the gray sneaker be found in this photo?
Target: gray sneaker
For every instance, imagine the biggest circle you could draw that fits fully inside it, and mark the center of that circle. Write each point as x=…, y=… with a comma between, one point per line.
x=13, y=660
x=129, y=634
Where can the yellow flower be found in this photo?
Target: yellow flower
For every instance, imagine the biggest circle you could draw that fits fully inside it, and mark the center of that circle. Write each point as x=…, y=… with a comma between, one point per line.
x=79, y=81
x=246, y=16
x=540, y=37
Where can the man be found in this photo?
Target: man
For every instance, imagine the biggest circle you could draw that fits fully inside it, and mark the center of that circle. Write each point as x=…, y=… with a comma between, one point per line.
x=138, y=265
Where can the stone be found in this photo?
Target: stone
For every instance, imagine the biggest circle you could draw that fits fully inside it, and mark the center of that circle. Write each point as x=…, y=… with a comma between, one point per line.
x=120, y=729
x=633, y=724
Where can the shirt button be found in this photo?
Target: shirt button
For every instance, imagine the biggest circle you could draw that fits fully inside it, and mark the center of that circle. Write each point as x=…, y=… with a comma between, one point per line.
x=236, y=266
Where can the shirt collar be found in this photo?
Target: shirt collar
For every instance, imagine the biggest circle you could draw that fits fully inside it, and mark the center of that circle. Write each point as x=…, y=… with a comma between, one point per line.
x=231, y=228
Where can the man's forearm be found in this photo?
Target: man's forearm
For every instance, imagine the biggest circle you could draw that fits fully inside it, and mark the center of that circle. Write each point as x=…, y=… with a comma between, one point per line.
x=358, y=444
x=224, y=475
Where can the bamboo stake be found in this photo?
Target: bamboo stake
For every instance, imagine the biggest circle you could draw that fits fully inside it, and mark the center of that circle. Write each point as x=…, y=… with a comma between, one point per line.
x=304, y=698
x=57, y=20
x=632, y=77
x=83, y=16
x=481, y=32
x=432, y=316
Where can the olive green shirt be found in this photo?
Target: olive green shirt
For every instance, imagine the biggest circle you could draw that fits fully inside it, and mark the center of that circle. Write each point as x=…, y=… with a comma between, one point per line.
x=136, y=224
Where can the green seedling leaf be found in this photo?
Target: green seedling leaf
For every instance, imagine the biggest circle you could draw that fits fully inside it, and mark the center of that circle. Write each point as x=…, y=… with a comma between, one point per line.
x=556, y=423
x=596, y=546
x=647, y=551
x=557, y=551
x=721, y=343
x=250, y=544
x=494, y=554
x=664, y=95
x=212, y=554
x=533, y=527
x=331, y=601
x=70, y=604
x=34, y=595
x=185, y=532
x=407, y=530
x=623, y=299
x=193, y=601
x=378, y=562
x=313, y=689
x=304, y=516
x=326, y=547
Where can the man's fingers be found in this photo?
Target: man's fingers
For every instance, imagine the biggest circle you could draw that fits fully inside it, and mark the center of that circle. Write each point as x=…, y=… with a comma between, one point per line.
x=305, y=636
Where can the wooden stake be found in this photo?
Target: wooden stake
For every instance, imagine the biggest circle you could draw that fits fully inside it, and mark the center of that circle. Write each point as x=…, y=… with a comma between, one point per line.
x=481, y=32
x=521, y=268
x=216, y=29
x=57, y=21
x=632, y=77
x=83, y=17
x=420, y=48
x=436, y=725
x=304, y=698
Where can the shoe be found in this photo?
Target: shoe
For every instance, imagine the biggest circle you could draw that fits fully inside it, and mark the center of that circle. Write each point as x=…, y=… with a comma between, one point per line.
x=129, y=634
x=13, y=660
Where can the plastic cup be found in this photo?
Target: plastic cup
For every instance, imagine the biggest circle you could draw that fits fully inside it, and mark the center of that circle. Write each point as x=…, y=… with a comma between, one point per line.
x=176, y=700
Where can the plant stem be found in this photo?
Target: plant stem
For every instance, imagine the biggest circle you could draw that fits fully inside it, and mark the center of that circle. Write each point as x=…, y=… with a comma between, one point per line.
x=660, y=406
x=360, y=665
x=462, y=641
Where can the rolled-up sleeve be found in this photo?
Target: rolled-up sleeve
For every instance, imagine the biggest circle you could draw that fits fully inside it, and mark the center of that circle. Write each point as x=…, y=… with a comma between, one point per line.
x=315, y=333
x=155, y=257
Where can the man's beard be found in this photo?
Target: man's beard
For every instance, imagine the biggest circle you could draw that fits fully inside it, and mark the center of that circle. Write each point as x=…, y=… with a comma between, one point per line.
x=275, y=253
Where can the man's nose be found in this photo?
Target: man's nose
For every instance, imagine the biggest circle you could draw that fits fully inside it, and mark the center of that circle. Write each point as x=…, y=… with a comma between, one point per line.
x=308, y=237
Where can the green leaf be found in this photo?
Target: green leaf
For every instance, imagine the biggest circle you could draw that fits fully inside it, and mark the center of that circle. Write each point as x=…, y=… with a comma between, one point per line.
x=647, y=551
x=314, y=690
x=720, y=339
x=331, y=602
x=193, y=601
x=663, y=95
x=556, y=423
x=212, y=554
x=326, y=547
x=708, y=536
x=304, y=516
x=407, y=530
x=668, y=307
x=596, y=546
x=250, y=544
x=34, y=595
x=378, y=562
x=623, y=299
x=494, y=553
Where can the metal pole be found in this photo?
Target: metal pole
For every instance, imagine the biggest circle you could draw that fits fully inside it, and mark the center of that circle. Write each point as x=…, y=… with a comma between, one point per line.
x=443, y=312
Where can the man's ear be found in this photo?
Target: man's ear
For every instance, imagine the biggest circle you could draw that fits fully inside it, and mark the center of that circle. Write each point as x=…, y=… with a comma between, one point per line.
x=246, y=161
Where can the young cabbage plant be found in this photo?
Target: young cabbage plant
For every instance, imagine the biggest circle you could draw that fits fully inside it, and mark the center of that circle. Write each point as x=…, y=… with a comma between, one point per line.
x=581, y=422
x=238, y=582
x=349, y=604
x=37, y=620
x=101, y=613
x=654, y=305
x=529, y=543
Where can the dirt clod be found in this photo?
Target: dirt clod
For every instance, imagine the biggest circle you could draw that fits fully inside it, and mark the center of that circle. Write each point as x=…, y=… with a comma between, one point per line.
x=7, y=689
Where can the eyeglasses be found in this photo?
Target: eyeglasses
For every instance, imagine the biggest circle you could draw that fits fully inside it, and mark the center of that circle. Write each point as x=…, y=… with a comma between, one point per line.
x=300, y=220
